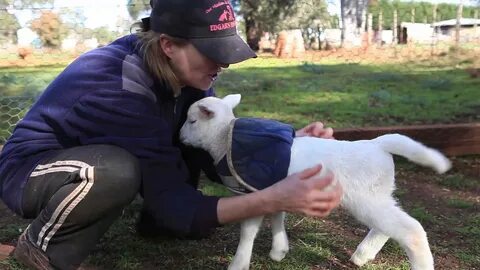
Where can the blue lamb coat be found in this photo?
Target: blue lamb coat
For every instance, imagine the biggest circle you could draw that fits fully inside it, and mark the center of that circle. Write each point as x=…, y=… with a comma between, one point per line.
x=258, y=154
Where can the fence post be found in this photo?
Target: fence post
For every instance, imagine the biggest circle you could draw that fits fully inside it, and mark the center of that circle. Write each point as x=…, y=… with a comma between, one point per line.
x=380, y=27
x=412, y=13
x=457, y=26
x=370, y=27
x=394, y=27
x=434, y=30
x=363, y=30
x=475, y=16
x=364, y=21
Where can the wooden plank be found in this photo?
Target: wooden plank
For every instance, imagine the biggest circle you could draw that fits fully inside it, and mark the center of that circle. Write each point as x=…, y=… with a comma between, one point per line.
x=452, y=139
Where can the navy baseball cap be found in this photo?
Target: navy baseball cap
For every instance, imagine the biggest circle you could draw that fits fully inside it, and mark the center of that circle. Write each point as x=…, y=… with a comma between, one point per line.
x=209, y=25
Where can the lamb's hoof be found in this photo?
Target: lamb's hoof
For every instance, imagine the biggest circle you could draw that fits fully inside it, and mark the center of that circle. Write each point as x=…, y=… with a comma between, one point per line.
x=360, y=260
x=278, y=255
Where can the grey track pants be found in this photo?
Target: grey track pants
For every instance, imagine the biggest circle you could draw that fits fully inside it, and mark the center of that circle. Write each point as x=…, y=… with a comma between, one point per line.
x=74, y=197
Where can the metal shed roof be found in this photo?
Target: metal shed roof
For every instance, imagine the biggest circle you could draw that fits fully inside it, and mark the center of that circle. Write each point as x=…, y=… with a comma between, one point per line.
x=453, y=22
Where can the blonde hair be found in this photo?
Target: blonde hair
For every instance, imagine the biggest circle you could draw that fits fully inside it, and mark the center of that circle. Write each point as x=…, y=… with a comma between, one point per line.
x=155, y=59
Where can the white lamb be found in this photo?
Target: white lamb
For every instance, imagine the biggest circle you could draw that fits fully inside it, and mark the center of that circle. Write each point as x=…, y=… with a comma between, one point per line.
x=365, y=169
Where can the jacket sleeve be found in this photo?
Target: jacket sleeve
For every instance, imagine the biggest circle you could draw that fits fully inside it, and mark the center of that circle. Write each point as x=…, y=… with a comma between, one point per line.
x=135, y=123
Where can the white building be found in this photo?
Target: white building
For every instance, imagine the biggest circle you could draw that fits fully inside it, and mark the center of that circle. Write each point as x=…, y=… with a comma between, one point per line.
x=416, y=33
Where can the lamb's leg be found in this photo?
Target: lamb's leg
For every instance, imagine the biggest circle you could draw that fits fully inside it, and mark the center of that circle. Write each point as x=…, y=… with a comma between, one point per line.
x=413, y=238
x=248, y=232
x=394, y=222
x=370, y=246
x=280, y=238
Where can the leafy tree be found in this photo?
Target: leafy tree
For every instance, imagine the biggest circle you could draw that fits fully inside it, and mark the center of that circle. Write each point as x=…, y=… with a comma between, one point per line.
x=274, y=15
x=73, y=20
x=10, y=25
x=5, y=5
x=423, y=12
x=311, y=16
x=9, y=22
x=261, y=16
x=25, y=3
x=49, y=28
x=104, y=35
x=136, y=7
x=305, y=14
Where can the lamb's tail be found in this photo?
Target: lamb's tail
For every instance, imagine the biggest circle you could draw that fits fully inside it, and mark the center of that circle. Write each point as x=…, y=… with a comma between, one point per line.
x=406, y=147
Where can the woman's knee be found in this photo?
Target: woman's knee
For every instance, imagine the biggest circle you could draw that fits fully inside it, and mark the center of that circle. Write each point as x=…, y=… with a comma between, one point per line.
x=118, y=170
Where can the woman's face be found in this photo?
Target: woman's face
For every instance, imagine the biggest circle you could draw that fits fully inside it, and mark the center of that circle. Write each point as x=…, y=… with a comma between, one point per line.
x=191, y=67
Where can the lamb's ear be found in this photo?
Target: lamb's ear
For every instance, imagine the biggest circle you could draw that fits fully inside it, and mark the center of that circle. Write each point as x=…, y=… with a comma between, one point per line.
x=232, y=100
x=205, y=112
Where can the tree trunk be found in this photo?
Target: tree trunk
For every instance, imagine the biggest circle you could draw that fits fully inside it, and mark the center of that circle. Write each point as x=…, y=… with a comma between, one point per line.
x=351, y=12
x=253, y=33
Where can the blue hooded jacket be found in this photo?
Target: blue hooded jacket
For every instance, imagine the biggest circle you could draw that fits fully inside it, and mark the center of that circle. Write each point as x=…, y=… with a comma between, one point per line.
x=107, y=96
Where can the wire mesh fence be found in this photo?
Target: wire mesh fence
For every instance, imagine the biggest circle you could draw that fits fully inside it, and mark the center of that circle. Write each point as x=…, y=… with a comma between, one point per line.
x=12, y=109
x=38, y=40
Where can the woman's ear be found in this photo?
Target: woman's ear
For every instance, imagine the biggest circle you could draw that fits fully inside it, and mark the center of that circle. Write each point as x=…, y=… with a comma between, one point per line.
x=166, y=45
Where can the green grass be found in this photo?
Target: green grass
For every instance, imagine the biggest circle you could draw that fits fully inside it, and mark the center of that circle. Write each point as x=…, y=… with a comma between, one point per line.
x=29, y=81
x=459, y=203
x=471, y=231
x=399, y=192
x=422, y=215
x=297, y=92
x=9, y=231
x=214, y=189
x=345, y=95
x=10, y=264
x=341, y=94
x=122, y=250
x=460, y=182
x=18, y=89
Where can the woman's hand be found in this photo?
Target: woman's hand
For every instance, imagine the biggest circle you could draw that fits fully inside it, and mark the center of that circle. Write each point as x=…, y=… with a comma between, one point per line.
x=315, y=129
x=308, y=192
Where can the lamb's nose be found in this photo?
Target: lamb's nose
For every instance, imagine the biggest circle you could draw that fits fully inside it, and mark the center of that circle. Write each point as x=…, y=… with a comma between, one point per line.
x=182, y=137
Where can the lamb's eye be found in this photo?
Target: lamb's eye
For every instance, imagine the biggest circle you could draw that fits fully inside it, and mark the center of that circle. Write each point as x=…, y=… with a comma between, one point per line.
x=192, y=121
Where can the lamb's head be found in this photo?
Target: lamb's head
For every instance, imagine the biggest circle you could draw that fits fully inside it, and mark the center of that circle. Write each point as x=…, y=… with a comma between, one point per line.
x=207, y=123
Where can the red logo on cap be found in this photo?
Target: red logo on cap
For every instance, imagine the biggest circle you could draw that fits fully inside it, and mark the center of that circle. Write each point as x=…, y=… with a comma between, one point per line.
x=226, y=19
x=227, y=15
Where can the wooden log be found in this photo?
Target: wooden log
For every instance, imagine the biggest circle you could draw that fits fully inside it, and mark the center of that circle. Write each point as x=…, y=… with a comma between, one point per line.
x=5, y=251
x=290, y=44
x=452, y=140
x=298, y=49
